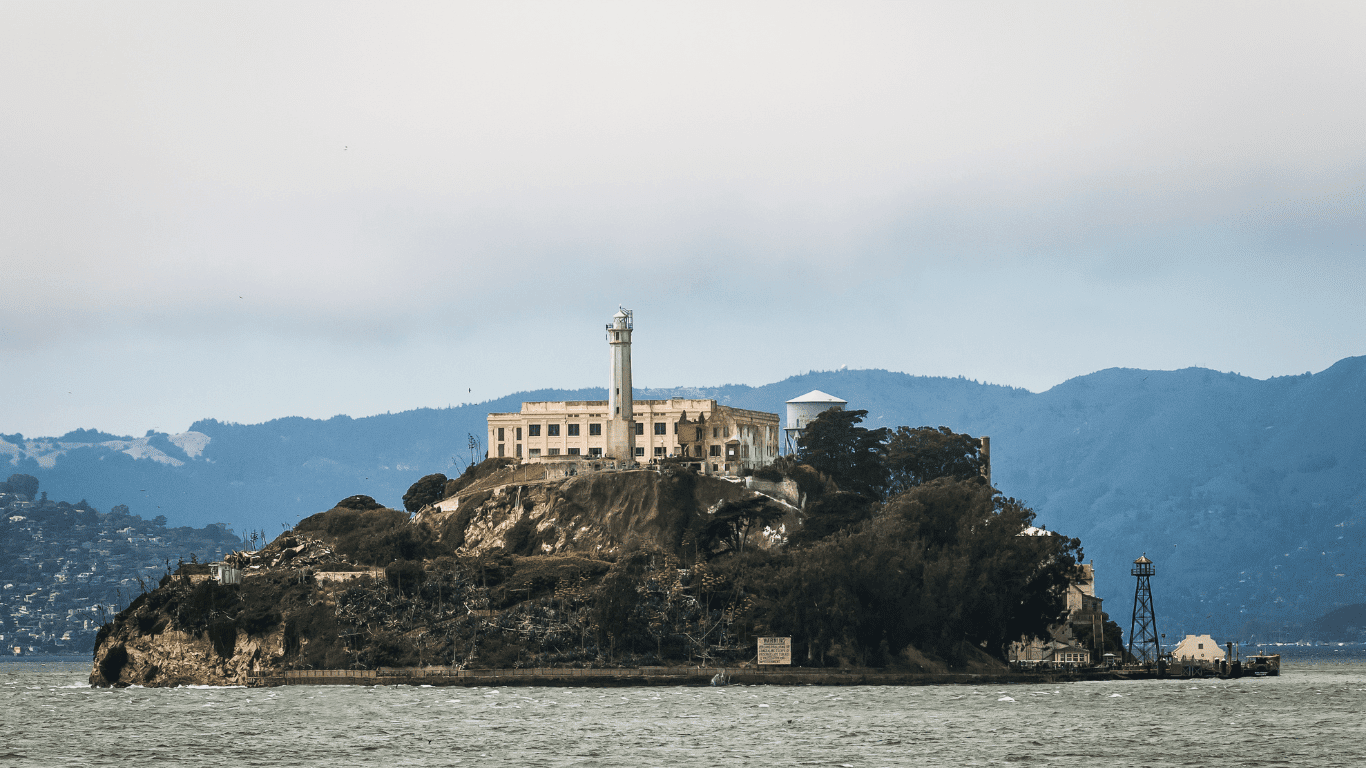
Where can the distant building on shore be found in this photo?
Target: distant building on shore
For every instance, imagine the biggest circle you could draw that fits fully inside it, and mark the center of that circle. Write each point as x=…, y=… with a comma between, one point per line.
x=1084, y=611
x=1198, y=648
x=622, y=431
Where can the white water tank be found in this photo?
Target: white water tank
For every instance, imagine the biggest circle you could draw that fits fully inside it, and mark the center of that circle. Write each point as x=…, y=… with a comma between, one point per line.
x=804, y=409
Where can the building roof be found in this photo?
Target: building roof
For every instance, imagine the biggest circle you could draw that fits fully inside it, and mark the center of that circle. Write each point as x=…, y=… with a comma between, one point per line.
x=817, y=396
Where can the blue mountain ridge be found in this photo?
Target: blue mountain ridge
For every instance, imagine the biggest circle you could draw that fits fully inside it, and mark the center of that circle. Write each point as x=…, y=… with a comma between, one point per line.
x=1248, y=494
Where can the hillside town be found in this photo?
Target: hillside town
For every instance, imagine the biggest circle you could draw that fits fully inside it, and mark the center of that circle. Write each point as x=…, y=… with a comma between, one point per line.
x=66, y=568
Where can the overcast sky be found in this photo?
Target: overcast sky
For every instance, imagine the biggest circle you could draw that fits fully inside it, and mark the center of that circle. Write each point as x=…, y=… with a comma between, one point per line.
x=252, y=210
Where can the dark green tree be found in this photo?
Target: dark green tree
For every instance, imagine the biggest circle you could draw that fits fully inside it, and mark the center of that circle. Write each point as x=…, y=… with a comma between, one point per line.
x=428, y=490
x=851, y=455
x=23, y=485
x=942, y=567
x=830, y=513
x=734, y=521
x=919, y=455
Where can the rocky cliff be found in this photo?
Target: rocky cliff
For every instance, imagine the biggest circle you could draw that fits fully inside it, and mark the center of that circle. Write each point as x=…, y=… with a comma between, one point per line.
x=512, y=570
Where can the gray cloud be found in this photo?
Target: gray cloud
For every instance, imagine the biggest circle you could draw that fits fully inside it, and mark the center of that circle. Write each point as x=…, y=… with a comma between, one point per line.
x=235, y=209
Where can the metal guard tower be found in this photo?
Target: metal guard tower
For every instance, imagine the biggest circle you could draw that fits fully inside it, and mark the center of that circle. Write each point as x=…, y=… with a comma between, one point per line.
x=1143, y=645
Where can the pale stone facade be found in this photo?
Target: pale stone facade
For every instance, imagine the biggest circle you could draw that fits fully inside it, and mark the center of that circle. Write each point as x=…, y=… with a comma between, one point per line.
x=723, y=440
x=1198, y=648
x=622, y=431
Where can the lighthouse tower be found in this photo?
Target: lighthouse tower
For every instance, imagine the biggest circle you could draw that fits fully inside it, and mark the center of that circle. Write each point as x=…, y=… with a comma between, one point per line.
x=1143, y=643
x=621, y=426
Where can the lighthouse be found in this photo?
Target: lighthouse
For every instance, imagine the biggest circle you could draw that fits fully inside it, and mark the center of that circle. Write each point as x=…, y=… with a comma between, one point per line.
x=621, y=427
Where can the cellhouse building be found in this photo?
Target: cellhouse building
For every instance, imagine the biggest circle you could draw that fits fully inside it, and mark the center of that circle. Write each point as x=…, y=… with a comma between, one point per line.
x=622, y=431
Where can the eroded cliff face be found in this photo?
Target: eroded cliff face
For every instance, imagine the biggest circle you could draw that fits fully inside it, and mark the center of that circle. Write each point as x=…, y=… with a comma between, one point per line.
x=597, y=514
x=175, y=657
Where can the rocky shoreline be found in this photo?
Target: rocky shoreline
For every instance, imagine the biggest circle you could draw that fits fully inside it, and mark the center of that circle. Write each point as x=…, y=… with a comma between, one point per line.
x=672, y=676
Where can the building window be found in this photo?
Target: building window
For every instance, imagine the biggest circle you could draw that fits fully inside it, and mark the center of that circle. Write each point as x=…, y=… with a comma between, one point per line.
x=572, y=430
x=715, y=431
x=640, y=427
x=500, y=435
x=519, y=450
x=594, y=451
x=699, y=435
x=730, y=453
x=552, y=430
x=715, y=451
x=713, y=468
x=519, y=436
x=659, y=450
x=500, y=450
x=594, y=429
x=533, y=452
x=573, y=451
x=640, y=450
x=661, y=428
x=533, y=430
x=554, y=452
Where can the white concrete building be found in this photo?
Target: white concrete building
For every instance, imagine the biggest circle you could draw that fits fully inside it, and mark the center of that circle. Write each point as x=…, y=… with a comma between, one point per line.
x=624, y=431
x=1198, y=648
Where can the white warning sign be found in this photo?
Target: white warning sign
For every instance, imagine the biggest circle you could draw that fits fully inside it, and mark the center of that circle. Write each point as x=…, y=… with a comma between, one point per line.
x=775, y=650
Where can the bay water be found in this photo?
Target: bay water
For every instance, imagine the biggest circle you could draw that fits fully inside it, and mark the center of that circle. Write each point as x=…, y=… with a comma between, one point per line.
x=1312, y=715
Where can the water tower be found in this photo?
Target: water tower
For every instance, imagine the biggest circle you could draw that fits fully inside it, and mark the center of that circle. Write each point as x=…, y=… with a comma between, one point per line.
x=803, y=410
x=1143, y=644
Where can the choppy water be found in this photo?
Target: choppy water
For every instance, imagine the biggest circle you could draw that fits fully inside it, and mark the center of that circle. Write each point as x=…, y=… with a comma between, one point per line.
x=1310, y=716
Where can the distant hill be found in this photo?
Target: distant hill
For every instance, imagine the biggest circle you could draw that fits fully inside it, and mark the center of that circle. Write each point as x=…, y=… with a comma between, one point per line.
x=1249, y=495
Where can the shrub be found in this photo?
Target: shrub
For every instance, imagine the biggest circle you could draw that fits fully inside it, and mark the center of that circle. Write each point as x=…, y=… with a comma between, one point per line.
x=362, y=503
x=474, y=473
x=769, y=474
x=428, y=490
x=406, y=576
x=258, y=618
x=520, y=540
x=223, y=634
x=453, y=529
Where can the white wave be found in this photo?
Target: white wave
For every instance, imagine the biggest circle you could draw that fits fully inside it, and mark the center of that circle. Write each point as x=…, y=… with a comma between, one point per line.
x=204, y=687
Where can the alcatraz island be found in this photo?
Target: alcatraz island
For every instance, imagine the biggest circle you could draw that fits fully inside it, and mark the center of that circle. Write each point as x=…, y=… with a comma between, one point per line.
x=650, y=541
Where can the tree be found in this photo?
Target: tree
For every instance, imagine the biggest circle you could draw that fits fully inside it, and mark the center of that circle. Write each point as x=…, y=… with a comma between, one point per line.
x=734, y=521
x=851, y=455
x=830, y=513
x=917, y=456
x=428, y=490
x=23, y=485
x=941, y=568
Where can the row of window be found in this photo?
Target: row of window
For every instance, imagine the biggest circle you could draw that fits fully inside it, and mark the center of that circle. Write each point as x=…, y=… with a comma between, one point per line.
x=534, y=452
x=659, y=451
x=572, y=430
x=551, y=430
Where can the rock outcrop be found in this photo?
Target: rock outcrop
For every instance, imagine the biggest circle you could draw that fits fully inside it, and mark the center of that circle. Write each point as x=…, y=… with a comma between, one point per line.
x=512, y=568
